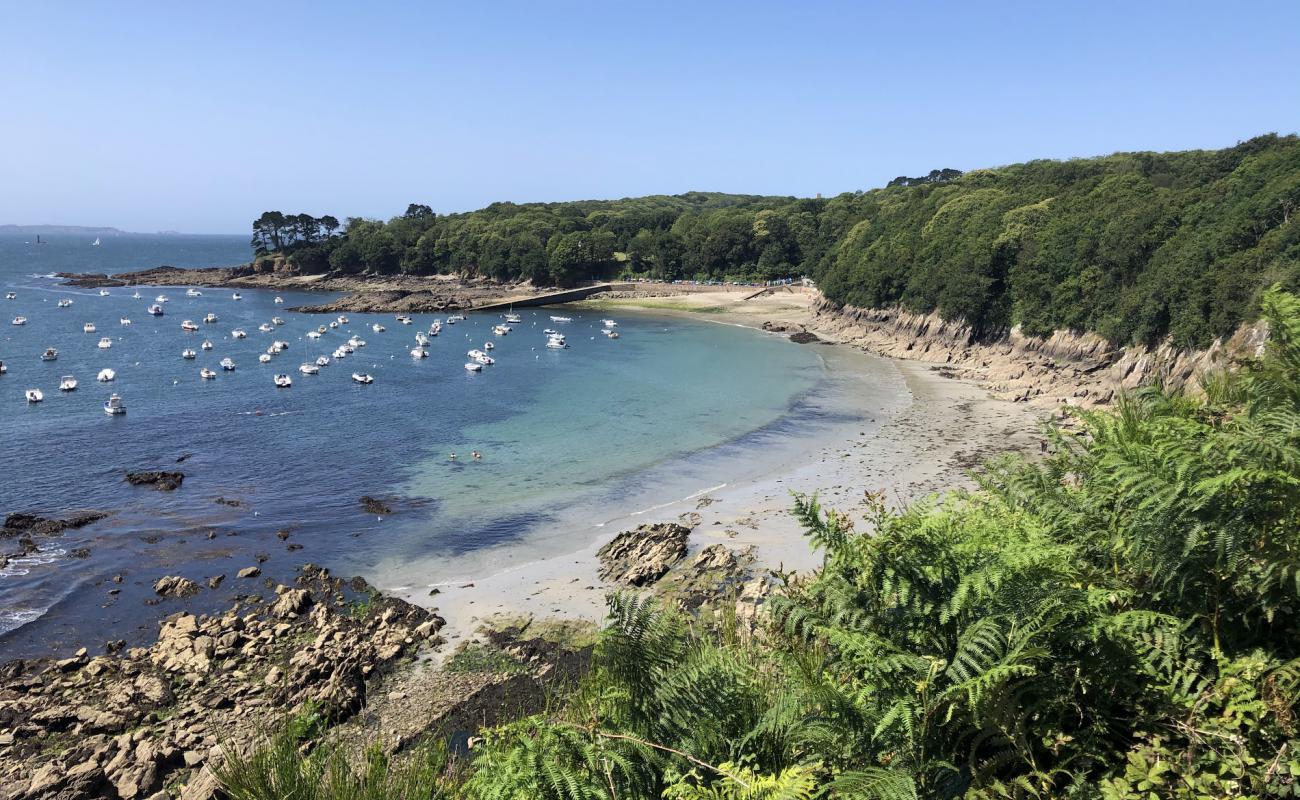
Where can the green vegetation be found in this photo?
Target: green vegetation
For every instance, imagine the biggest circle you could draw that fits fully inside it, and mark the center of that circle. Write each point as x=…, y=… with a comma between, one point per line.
x=1119, y=620
x=1133, y=246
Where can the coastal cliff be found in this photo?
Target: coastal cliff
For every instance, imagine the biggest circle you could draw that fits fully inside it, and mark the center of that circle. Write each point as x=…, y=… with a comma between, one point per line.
x=1080, y=369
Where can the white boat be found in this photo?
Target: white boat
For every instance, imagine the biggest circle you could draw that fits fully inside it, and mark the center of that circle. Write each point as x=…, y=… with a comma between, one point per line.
x=514, y=319
x=279, y=301
x=313, y=334
x=278, y=345
x=11, y=295
x=277, y=320
x=207, y=374
x=67, y=384
x=561, y=319
x=236, y=296
x=549, y=331
x=207, y=345
x=113, y=406
x=210, y=318
x=156, y=310
x=323, y=361
x=611, y=334
x=124, y=321
x=609, y=323
x=361, y=377
x=321, y=329
x=20, y=321
x=238, y=333
x=104, y=343
x=419, y=352
x=95, y=243
x=188, y=325
x=50, y=354
x=377, y=328
x=334, y=323
x=556, y=344
x=451, y=320
x=193, y=293
x=264, y=358
x=103, y=293
x=106, y=375
x=342, y=319
x=188, y=353
x=282, y=381
x=501, y=330
x=89, y=327
x=474, y=366
x=340, y=353
x=309, y=369
x=421, y=339
x=64, y=303
x=356, y=342
x=485, y=359
x=34, y=395
x=136, y=295
x=227, y=364
x=456, y=318
x=435, y=327
x=475, y=353
x=266, y=327
x=402, y=318
x=489, y=346
x=3, y=368
x=162, y=298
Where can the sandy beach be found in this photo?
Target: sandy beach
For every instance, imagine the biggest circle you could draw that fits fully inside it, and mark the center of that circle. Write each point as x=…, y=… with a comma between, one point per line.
x=927, y=442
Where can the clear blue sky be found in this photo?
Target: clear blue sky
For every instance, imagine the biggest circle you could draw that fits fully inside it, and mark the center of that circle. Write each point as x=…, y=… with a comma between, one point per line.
x=199, y=116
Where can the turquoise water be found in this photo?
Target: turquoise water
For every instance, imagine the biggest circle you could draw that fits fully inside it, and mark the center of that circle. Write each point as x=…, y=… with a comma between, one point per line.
x=599, y=426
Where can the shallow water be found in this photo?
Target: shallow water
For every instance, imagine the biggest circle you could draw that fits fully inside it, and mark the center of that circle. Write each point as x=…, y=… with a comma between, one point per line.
x=588, y=433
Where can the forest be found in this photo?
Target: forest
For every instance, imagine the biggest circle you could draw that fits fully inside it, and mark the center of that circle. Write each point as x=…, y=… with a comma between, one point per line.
x=1119, y=619
x=1133, y=246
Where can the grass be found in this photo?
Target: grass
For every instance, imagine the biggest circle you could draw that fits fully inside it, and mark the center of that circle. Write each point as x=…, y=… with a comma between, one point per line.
x=480, y=657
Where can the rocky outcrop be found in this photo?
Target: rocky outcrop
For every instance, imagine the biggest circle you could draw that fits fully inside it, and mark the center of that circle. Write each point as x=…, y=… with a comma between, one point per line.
x=1070, y=368
x=127, y=725
x=21, y=534
x=642, y=556
x=162, y=481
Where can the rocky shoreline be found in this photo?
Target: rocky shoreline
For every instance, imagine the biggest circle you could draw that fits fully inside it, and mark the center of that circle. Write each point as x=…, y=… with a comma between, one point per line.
x=362, y=293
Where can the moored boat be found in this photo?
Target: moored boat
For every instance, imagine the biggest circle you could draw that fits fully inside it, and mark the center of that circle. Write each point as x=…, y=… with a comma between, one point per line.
x=207, y=374
x=279, y=301
x=419, y=352
x=156, y=310
x=65, y=303
x=210, y=318
x=309, y=369
x=191, y=292
x=282, y=381
x=34, y=395
x=377, y=328
x=188, y=325
x=238, y=333
x=104, y=343
x=124, y=321
x=474, y=366
x=207, y=344
x=67, y=384
x=264, y=358
x=227, y=364
x=188, y=353
x=561, y=319
x=361, y=377
x=89, y=327
x=50, y=354
x=106, y=375
x=236, y=296
x=513, y=319
x=20, y=320
x=114, y=406
x=323, y=361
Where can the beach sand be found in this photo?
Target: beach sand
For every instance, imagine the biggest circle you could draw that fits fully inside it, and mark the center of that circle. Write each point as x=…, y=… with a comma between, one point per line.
x=938, y=431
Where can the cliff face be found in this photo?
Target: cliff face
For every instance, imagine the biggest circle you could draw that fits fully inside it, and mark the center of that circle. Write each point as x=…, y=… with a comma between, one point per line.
x=1070, y=368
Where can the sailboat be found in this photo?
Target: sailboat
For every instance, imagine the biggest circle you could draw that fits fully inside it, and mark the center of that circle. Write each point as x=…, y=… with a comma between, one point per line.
x=38, y=239
x=95, y=243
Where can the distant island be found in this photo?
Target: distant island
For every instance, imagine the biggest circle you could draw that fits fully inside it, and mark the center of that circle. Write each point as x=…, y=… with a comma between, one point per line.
x=32, y=230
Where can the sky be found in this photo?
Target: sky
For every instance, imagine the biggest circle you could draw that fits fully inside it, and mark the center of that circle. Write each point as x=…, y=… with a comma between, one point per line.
x=197, y=117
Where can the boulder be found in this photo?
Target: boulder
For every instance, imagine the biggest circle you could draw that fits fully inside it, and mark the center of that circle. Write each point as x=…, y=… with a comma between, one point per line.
x=249, y=572
x=175, y=586
x=373, y=505
x=162, y=481
x=18, y=524
x=642, y=556
x=291, y=602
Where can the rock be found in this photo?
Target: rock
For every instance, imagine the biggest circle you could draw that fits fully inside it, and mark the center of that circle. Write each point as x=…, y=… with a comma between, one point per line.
x=291, y=602
x=249, y=572
x=216, y=580
x=162, y=481
x=373, y=505
x=804, y=337
x=175, y=586
x=44, y=779
x=642, y=556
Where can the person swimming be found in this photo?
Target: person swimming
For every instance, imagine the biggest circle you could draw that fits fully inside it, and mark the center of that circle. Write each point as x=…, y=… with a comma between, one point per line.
x=453, y=457
x=477, y=455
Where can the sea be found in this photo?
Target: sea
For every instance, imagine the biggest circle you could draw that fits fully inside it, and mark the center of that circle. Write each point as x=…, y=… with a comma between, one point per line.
x=574, y=443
